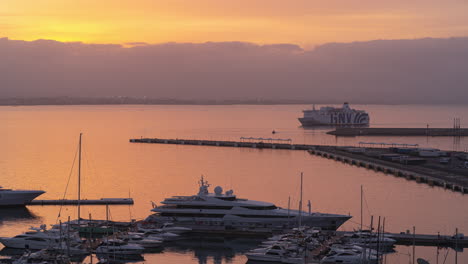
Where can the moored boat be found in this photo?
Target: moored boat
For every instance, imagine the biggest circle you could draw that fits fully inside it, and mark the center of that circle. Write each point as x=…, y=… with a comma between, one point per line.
x=225, y=212
x=10, y=197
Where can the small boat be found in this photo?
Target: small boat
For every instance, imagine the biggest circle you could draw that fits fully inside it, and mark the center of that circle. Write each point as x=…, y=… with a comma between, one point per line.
x=370, y=240
x=276, y=255
x=165, y=236
x=349, y=257
x=142, y=241
x=43, y=256
x=40, y=238
x=118, y=247
x=171, y=228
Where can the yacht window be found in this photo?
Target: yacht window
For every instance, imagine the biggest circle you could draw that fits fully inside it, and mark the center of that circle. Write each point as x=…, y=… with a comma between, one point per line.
x=35, y=239
x=229, y=198
x=183, y=206
x=193, y=215
x=272, y=207
x=264, y=216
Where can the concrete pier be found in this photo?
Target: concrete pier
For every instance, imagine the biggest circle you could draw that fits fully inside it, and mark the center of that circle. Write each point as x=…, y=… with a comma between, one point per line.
x=220, y=143
x=102, y=201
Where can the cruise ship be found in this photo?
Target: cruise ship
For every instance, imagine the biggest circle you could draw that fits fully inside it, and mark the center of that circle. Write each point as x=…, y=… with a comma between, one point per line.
x=9, y=197
x=327, y=115
x=220, y=211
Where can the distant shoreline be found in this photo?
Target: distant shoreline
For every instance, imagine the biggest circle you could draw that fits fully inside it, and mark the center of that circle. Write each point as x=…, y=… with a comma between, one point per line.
x=63, y=101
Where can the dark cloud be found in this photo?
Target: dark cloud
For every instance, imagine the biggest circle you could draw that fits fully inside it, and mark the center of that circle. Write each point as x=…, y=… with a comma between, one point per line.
x=383, y=71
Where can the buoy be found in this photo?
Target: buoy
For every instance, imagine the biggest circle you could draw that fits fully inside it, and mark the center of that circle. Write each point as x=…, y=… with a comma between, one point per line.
x=273, y=132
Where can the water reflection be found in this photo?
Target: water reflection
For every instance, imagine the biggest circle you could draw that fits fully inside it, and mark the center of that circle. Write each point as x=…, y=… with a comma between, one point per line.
x=15, y=213
x=217, y=248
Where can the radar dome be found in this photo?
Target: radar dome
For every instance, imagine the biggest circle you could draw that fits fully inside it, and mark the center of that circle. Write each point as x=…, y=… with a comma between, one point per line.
x=218, y=190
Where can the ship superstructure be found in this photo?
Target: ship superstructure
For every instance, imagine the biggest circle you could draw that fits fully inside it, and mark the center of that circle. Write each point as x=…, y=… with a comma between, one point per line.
x=327, y=115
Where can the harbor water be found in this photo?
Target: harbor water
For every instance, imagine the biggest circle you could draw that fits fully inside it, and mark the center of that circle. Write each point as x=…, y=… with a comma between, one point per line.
x=39, y=144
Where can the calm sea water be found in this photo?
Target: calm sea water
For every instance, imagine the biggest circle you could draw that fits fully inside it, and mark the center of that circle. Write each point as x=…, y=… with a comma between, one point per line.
x=38, y=145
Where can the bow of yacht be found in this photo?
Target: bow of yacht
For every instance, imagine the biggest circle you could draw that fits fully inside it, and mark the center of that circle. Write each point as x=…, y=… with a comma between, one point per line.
x=10, y=197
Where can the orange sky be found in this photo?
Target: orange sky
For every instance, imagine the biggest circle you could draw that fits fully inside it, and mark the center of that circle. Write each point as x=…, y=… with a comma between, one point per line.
x=303, y=22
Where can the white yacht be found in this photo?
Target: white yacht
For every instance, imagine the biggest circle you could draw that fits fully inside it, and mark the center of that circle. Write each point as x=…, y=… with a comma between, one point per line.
x=9, y=197
x=43, y=256
x=39, y=238
x=370, y=240
x=143, y=241
x=349, y=257
x=119, y=247
x=277, y=255
x=220, y=211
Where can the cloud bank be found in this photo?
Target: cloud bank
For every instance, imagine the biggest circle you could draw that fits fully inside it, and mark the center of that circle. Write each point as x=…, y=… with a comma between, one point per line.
x=383, y=71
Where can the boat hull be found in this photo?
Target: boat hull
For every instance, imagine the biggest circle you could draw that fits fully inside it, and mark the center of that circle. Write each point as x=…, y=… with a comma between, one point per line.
x=312, y=122
x=17, y=198
x=252, y=225
x=23, y=244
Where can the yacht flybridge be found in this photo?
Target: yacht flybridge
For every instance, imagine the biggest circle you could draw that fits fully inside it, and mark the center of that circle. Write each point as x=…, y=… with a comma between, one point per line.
x=224, y=211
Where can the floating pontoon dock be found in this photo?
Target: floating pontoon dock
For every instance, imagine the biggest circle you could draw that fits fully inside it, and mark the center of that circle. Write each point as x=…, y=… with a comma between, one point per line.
x=102, y=201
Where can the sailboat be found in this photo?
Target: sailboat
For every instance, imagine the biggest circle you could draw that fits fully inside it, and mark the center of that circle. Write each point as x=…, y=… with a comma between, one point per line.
x=88, y=227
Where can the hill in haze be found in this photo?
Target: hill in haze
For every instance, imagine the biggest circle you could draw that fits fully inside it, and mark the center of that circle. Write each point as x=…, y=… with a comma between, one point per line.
x=381, y=71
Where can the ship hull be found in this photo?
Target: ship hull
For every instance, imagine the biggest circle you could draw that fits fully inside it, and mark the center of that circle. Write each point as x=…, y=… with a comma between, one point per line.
x=312, y=122
x=324, y=221
x=17, y=198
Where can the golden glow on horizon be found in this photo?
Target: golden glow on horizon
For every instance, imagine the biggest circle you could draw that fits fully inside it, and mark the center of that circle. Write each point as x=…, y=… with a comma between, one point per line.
x=303, y=22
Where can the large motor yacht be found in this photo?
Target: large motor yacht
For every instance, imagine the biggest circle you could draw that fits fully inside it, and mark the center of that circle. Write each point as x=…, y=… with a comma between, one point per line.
x=9, y=197
x=224, y=211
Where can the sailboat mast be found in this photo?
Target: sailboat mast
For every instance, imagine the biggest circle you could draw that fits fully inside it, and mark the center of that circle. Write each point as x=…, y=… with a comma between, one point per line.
x=361, y=207
x=300, y=204
x=79, y=177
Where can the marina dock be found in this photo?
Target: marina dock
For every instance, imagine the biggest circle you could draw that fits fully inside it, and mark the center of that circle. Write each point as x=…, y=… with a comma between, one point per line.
x=429, y=240
x=102, y=201
x=424, y=175
x=431, y=132
x=437, y=240
x=434, y=175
